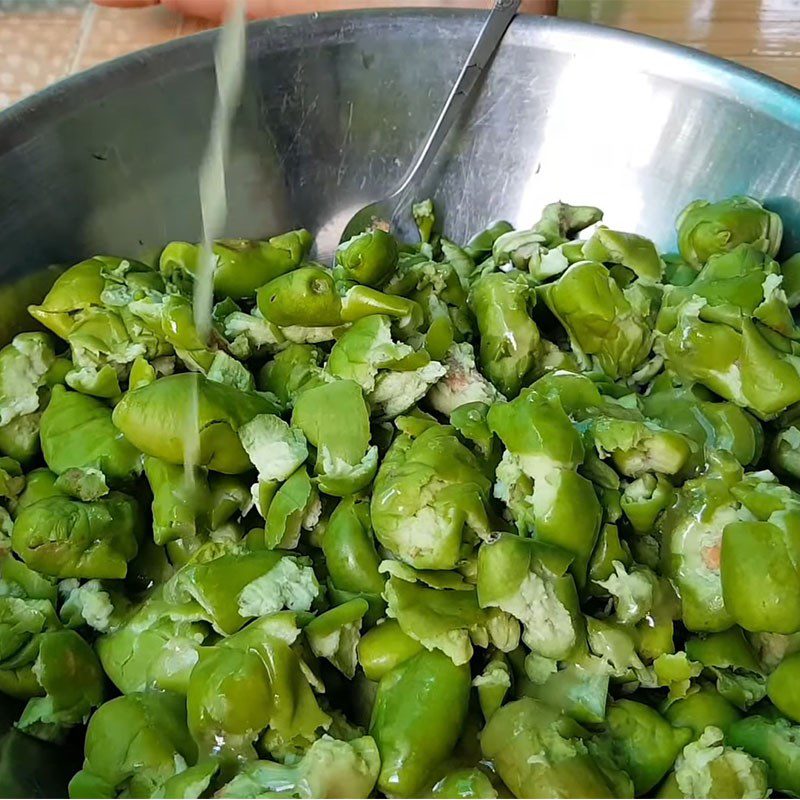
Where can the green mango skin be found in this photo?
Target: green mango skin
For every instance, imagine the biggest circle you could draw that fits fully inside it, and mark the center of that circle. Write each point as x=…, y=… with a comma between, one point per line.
x=66, y=538
x=383, y=648
x=334, y=418
x=415, y=737
x=77, y=432
x=349, y=549
x=19, y=439
x=705, y=229
x=242, y=264
x=760, y=583
x=510, y=342
x=648, y=742
x=162, y=420
x=518, y=739
x=135, y=740
x=229, y=701
x=775, y=741
x=368, y=258
x=703, y=708
x=783, y=687
x=435, y=478
x=306, y=296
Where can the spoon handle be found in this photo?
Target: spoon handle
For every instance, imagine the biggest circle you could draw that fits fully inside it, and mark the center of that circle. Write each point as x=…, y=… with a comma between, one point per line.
x=482, y=51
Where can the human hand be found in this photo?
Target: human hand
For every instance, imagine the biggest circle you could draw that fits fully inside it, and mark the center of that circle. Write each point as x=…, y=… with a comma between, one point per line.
x=208, y=9
x=215, y=9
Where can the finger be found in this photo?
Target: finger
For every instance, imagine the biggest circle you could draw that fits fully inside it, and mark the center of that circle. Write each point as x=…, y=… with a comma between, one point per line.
x=207, y=9
x=215, y=9
x=127, y=3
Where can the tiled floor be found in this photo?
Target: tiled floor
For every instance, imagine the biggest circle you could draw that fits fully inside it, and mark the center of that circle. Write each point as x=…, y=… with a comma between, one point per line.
x=761, y=34
x=42, y=41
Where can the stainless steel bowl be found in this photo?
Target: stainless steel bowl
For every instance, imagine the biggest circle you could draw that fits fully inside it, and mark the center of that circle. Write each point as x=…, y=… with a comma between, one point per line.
x=335, y=106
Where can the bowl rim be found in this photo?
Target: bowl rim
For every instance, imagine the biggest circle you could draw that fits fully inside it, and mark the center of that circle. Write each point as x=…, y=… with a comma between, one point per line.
x=19, y=122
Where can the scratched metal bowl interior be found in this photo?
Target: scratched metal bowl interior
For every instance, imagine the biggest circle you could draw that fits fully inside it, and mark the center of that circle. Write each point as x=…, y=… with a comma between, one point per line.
x=335, y=107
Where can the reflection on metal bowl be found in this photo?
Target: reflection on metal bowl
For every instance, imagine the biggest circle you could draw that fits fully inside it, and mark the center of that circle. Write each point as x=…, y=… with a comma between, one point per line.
x=335, y=106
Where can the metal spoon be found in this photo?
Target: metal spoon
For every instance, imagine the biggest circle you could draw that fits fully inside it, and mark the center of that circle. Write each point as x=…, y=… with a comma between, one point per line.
x=383, y=212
